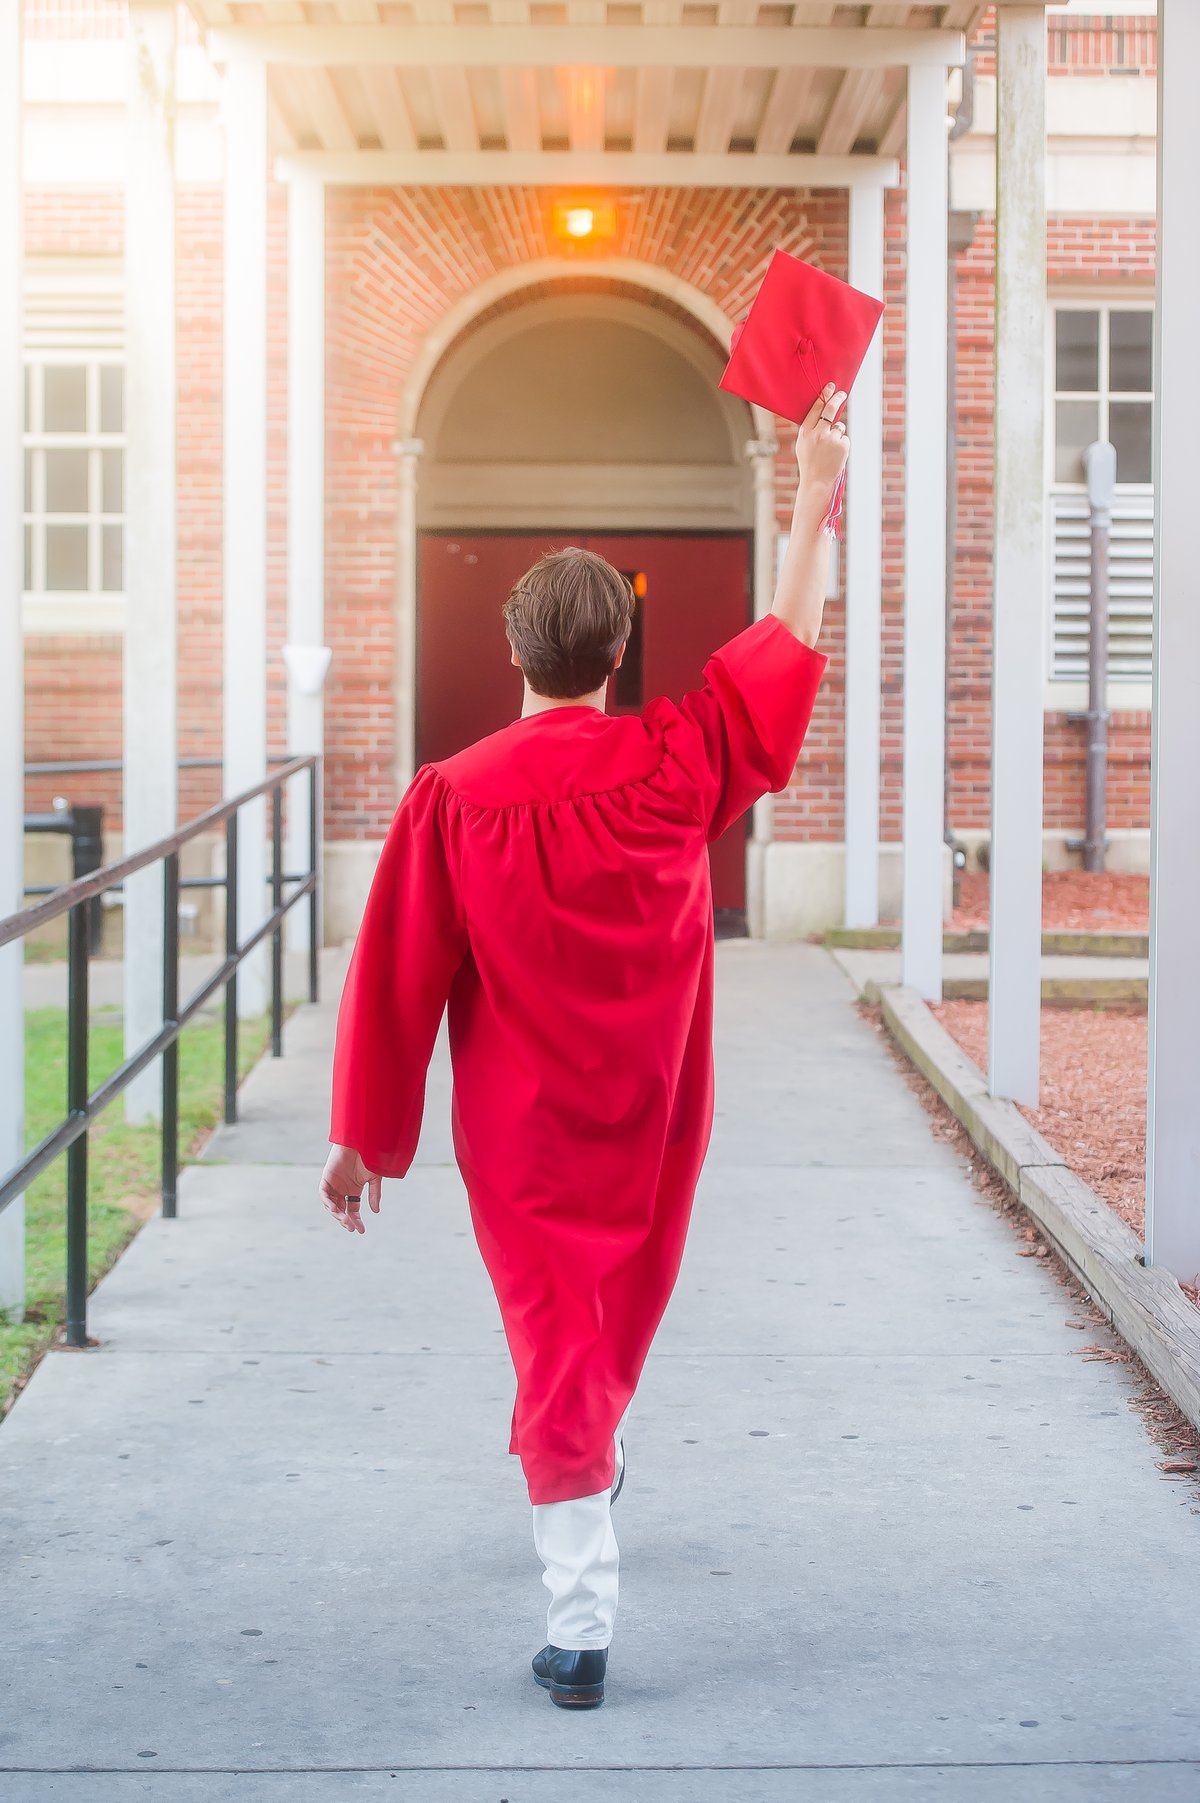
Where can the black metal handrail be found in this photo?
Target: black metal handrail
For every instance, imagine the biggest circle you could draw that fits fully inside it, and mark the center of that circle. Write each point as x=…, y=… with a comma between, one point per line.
x=83, y=1107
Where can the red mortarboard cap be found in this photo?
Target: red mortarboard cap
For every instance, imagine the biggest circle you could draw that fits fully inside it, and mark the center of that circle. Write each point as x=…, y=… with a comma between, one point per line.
x=804, y=329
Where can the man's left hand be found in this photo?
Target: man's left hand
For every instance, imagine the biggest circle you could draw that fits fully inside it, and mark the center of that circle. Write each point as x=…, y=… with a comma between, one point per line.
x=342, y=1182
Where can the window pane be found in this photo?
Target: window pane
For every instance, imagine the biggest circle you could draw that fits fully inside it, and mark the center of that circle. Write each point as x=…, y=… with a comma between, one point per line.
x=112, y=397
x=28, y=398
x=64, y=398
x=112, y=483
x=29, y=456
x=1076, y=425
x=1130, y=336
x=66, y=481
x=66, y=557
x=1077, y=350
x=1129, y=429
x=29, y=557
x=112, y=546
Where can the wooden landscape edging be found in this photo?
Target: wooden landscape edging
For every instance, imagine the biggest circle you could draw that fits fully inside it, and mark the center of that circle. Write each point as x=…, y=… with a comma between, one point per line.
x=1144, y=1303
x=1062, y=942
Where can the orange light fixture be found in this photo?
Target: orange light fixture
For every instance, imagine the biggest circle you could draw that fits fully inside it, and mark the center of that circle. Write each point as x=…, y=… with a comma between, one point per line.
x=579, y=221
x=639, y=585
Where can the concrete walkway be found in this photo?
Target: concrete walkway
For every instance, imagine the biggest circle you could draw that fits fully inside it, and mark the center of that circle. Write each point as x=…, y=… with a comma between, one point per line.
x=883, y=1536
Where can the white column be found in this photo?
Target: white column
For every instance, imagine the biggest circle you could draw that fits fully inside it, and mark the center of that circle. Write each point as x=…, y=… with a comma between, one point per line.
x=762, y=453
x=864, y=569
x=12, y=680
x=306, y=504
x=1173, y=1120
x=245, y=493
x=408, y=452
x=925, y=533
x=1019, y=556
x=150, y=744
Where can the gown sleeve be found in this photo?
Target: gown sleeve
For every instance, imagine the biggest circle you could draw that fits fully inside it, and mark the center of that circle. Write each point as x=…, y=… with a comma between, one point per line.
x=411, y=942
x=744, y=727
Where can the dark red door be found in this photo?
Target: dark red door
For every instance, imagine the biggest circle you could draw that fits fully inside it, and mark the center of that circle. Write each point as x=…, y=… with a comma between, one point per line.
x=696, y=595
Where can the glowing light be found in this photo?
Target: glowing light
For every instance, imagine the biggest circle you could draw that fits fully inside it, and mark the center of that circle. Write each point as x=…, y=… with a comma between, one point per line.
x=580, y=219
x=639, y=585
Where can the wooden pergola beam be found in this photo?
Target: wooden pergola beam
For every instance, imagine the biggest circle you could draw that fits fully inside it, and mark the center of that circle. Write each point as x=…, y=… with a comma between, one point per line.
x=606, y=46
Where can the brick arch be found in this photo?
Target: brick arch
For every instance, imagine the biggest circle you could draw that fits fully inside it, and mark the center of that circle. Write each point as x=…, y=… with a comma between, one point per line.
x=549, y=276
x=402, y=266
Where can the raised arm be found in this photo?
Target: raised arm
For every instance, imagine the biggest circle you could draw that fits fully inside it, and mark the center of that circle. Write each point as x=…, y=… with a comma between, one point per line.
x=821, y=451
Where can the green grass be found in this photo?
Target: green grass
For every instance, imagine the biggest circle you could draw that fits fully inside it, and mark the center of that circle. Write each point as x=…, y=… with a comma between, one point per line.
x=123, y=1164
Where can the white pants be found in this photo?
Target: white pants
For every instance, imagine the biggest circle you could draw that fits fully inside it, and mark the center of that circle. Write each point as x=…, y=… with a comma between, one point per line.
x=577, y=1546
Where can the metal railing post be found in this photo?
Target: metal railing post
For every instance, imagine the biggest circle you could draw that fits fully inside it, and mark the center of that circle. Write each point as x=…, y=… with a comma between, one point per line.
x=170, y=1057
x=231, y=986
x=277, y=933
x=73, y=903
x=77, y=1152
x=314, y=911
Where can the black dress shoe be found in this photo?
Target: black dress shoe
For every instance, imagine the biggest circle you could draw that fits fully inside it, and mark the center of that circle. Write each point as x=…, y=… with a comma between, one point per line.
x=574, y=1678
x=616, y=1489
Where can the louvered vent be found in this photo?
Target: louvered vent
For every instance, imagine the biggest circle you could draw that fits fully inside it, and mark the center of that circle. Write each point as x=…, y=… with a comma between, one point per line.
x=1131, y=587
x=76, y=309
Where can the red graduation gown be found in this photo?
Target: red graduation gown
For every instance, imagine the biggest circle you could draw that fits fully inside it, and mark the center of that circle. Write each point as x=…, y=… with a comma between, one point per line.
x=551, y=884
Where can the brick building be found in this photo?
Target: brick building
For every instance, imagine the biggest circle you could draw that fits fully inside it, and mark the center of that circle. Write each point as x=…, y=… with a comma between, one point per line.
x=494, y=383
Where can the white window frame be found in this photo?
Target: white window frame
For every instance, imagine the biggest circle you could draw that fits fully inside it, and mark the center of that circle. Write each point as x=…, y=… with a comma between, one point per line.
x=73, y=318
x=1065, y=694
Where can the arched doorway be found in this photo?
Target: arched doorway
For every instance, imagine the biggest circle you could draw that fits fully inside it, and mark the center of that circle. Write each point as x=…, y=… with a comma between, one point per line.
x=580, y=415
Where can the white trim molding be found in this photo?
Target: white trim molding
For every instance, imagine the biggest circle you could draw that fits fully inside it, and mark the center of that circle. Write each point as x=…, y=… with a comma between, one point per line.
x=589, y=169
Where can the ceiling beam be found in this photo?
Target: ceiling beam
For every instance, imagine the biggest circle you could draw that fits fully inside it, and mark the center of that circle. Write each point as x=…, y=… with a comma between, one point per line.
x=318, y=100
x=857, y=91
x=450, y=46
x=518, y=87
x=652, y=111
x=652, y=100
x=784, y=112
x=895, y=131
x=585, y=107
x=605, y=169
x=279, y=129
x=718, y=110
x=452, y=103
x=389, y=109
x=522, y=112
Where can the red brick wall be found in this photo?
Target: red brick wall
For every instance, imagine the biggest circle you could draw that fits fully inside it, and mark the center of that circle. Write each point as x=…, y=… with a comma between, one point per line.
x=1086, y=44
x=395, y=264
x=1079, y=251
x=73, y=684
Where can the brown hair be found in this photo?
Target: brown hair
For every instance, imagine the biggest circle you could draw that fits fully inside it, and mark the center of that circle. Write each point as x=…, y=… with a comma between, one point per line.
x=566, y=619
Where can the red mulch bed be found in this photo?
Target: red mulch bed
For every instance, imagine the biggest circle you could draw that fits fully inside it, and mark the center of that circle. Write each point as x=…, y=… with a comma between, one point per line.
x=1077, y=901
x=1093, y=1108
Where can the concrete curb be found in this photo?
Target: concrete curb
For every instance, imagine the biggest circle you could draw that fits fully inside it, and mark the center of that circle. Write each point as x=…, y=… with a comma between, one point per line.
x=1144, y=1303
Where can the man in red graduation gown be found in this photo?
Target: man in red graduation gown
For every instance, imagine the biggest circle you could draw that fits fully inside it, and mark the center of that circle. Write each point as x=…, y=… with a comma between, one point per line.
x=550, y=886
